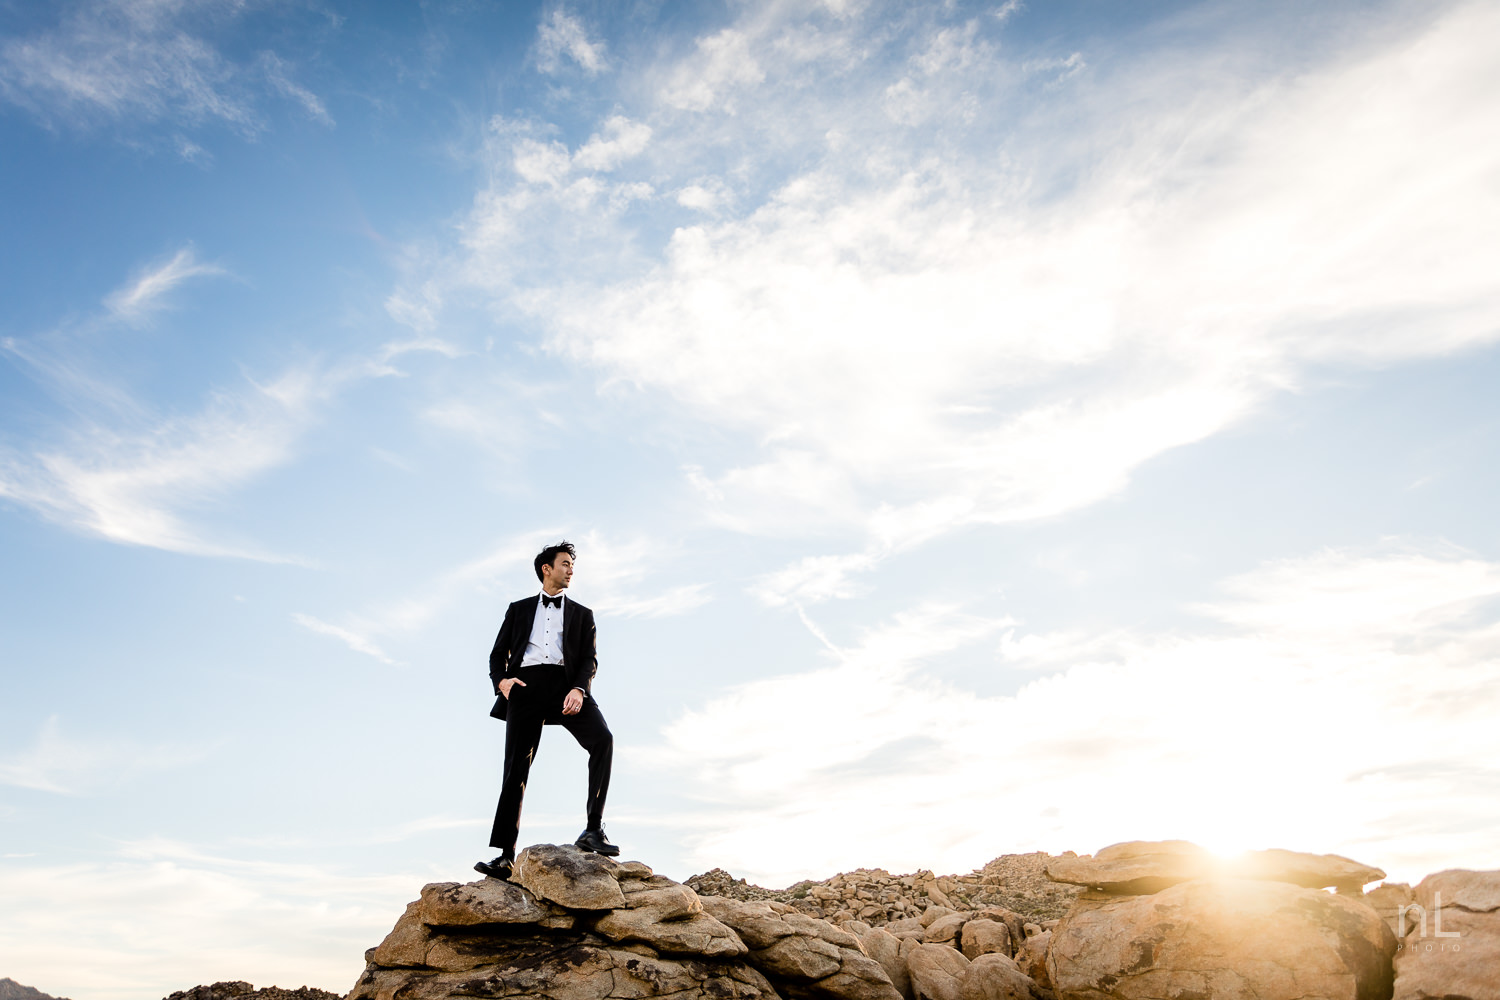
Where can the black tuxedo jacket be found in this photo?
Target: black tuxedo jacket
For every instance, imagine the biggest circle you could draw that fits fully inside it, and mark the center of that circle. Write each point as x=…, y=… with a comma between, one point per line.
x=580, y=654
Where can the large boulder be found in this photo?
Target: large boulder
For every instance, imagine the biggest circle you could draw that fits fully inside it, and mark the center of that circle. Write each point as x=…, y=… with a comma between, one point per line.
x=569, y=877
x=490, y=901
x=936, y=972
x=985, y=937
x=907, y=927
x=1031, y=957
x=1451, y=950
x=668, y=917
x=933, y=914
x=885, y=948
x=1140, y=867
x=1012, y=920
x=994, y=977
x=1230, y=939
x=945, y=930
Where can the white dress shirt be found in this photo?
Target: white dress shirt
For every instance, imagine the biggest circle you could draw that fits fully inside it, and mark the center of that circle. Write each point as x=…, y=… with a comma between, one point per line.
x=545, y=644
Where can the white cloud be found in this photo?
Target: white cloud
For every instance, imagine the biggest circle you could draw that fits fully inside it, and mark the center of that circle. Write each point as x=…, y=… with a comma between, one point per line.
x=563, y=34
x=620, y=139
x=1008, y=10
x=119, y=60
x=354, y=640
x=702, y=197
x=161, y=916
x=280, y=79
x=723, y=63
x=914, y=334
x=67, y=766
x=815, y=578
x=1307, y=731
x=671, y=601
x=542, y=162
x=131, y=484
x=120, y=472
x=909, y=327
x=143, y=295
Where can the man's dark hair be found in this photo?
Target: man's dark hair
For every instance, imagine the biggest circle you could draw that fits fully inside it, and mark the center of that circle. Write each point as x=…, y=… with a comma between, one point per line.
x=548, y=556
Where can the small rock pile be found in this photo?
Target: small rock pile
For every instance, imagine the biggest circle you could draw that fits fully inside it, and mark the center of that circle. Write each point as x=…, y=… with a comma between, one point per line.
x=240, y=990
x=874, y=896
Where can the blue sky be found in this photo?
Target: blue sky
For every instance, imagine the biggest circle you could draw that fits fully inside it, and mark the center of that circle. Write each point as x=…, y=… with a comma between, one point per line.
x=985, y=428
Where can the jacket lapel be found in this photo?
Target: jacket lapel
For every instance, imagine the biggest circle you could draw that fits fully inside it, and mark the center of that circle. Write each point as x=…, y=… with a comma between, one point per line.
x=525, y=618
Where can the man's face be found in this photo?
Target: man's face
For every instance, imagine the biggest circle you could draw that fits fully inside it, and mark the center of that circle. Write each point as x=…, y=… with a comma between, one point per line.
x=560, y=573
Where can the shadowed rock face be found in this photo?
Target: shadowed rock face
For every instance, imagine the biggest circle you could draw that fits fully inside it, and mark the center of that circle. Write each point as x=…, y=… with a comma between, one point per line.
x=576, y=926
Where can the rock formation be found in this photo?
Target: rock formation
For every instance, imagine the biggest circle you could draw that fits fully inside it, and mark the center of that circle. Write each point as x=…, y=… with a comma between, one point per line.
x=1143, y=921
x=1142, y=867
x=1241, y=938
x=239, y=990
x=12, y=990
x=874, y=896
x=1169, y=919
x=576, y=926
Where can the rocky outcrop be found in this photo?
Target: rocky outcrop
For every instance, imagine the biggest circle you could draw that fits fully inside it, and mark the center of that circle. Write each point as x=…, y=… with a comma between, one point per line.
x=1158, y=919
x=239, y=990
x=1451, y=948
x=12, y=990
x=805, y=956
x=1169, y=919
x=577, y=926
x=1141, y=867
x=874, y=896
x=1241, y=938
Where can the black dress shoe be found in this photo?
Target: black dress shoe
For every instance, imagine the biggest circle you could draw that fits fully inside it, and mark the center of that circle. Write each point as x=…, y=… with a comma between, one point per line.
x=597, y=842
x=500, y=867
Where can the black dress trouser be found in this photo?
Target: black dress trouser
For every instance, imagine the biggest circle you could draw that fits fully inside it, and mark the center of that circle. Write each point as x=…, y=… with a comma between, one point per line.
x=527, y=710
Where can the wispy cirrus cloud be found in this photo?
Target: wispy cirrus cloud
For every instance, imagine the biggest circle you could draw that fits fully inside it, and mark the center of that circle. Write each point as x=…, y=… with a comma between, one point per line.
x=354, y=640
x=114, y=59
x=1285, y=720
x=145, y=294
x=144, y=60
x=278, y=74
x=131, y=481
x=118, y=469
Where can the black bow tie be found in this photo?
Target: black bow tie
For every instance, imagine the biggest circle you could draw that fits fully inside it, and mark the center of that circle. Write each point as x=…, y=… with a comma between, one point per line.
x=552, y=602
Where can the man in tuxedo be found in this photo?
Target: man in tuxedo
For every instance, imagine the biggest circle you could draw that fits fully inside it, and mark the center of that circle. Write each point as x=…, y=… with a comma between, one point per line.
x=542, y=667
